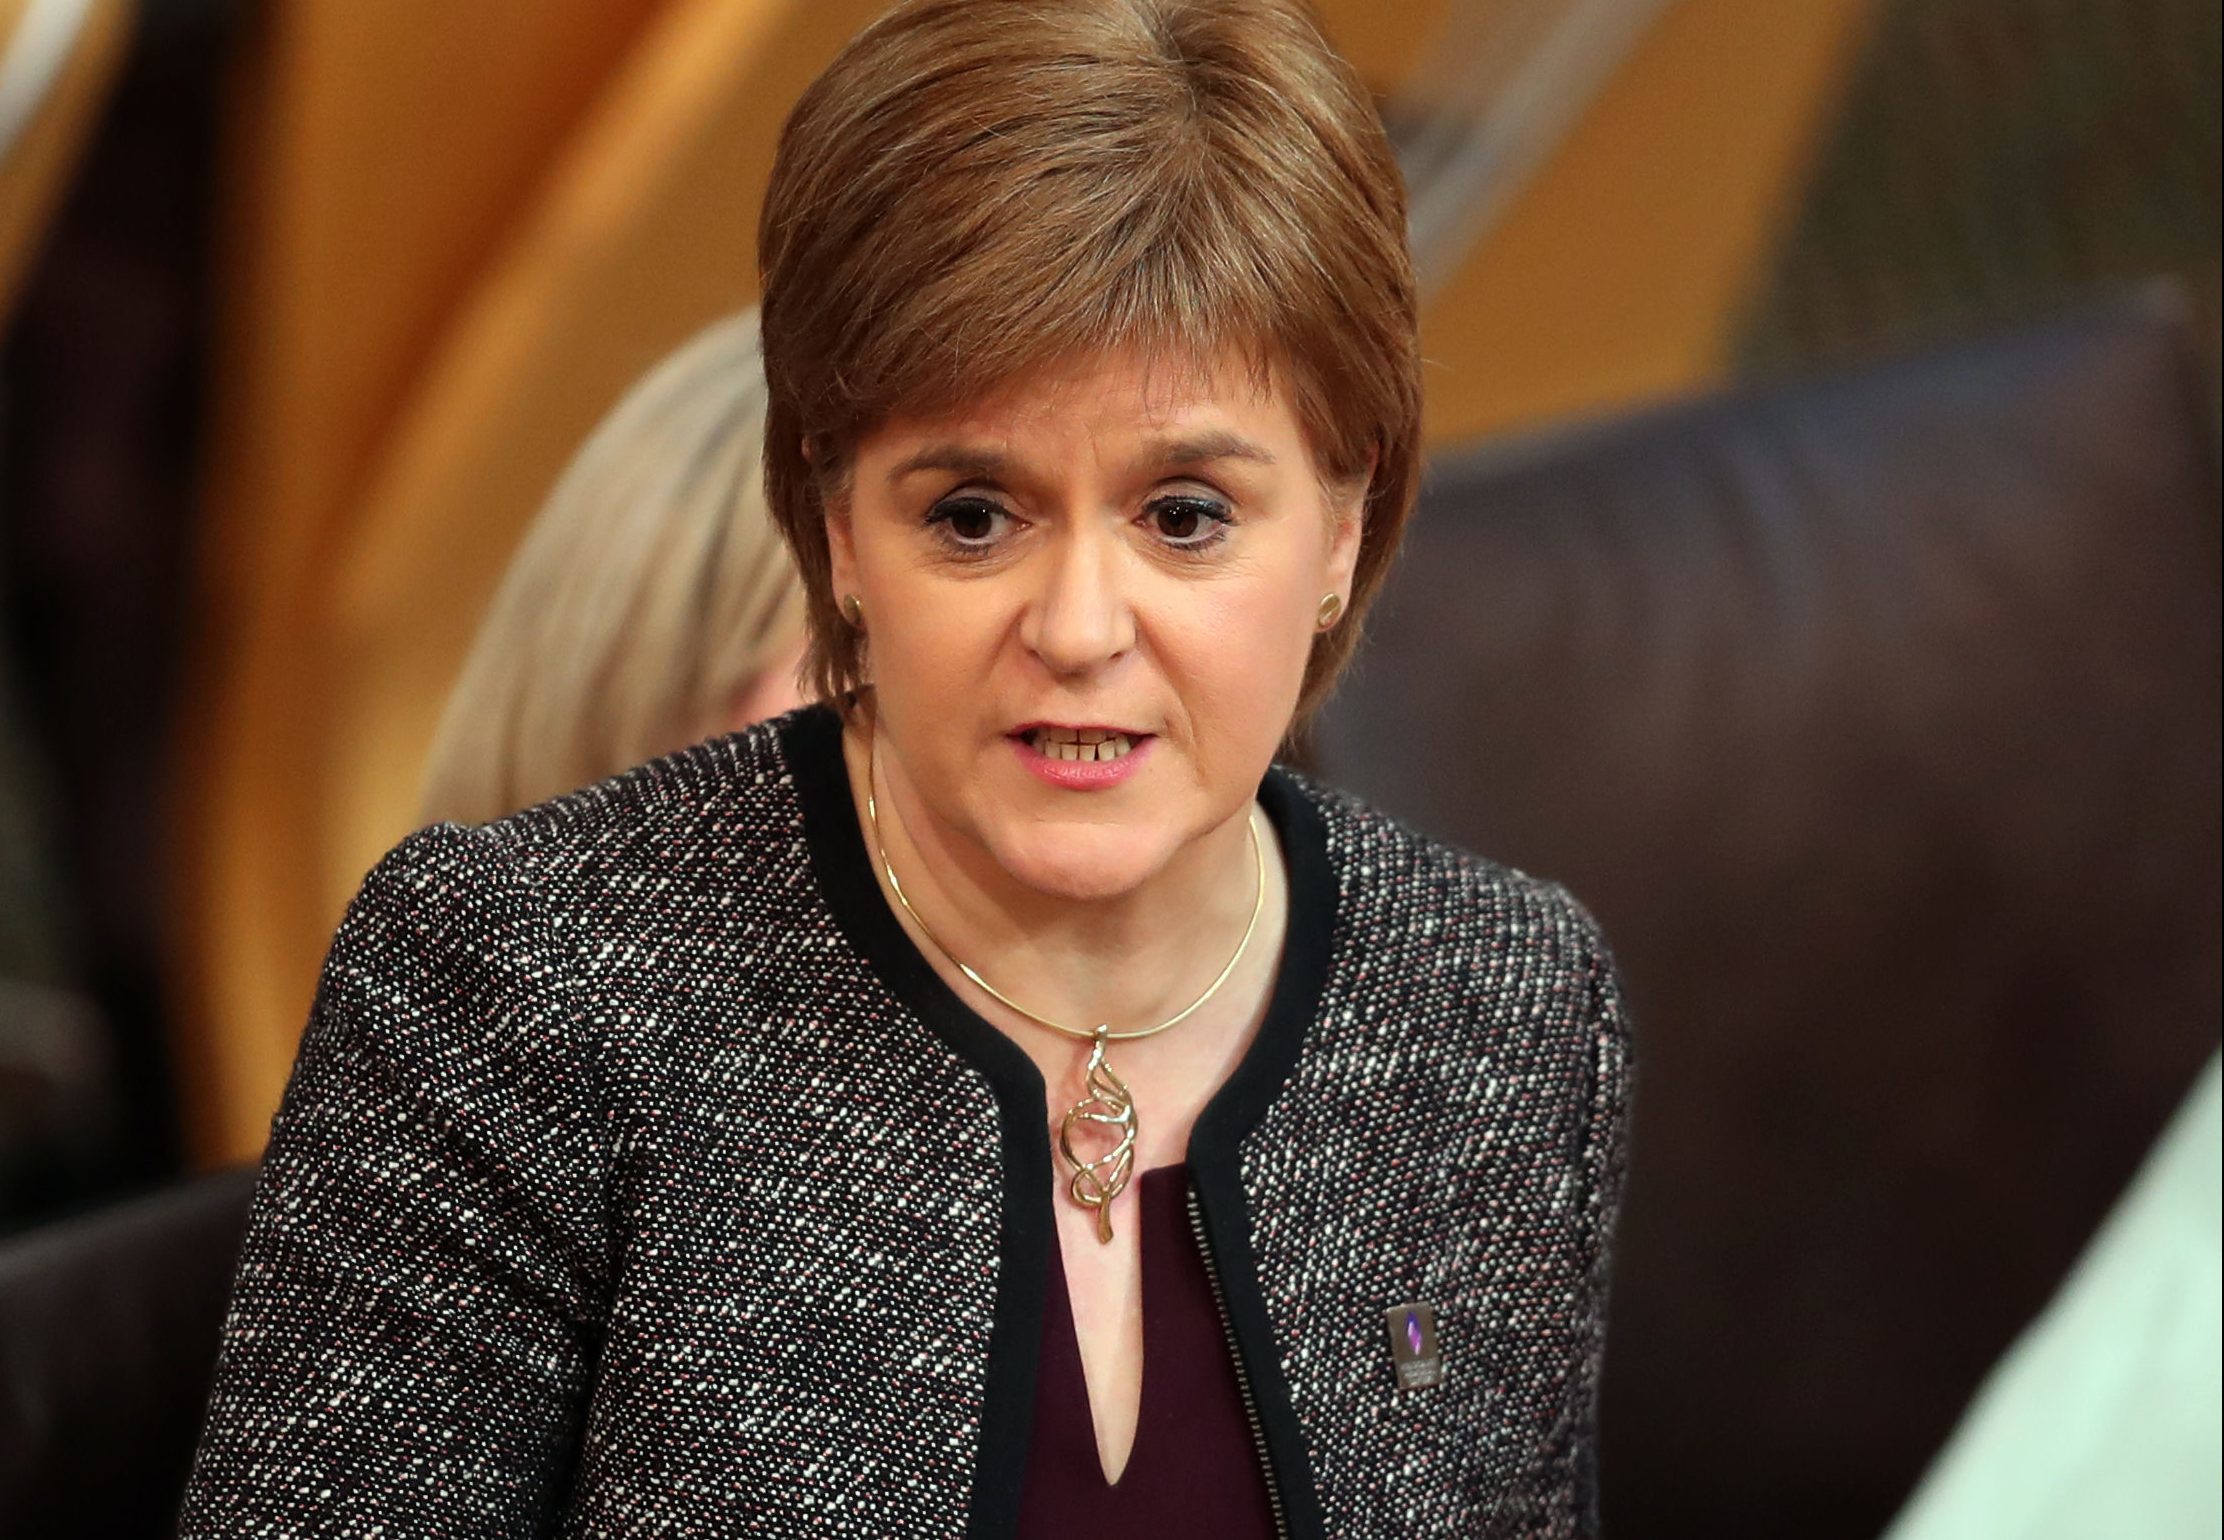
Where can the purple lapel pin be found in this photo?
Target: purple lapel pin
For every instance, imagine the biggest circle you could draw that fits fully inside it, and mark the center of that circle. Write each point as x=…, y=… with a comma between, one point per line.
x=1413, y=1346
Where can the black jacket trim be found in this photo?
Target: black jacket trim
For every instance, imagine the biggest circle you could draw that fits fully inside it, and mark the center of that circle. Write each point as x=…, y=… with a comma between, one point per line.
x=812, y=741
x=1215, y=1143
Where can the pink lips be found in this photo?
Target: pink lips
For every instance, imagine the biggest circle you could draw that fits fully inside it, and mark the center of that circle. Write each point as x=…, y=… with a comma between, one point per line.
x=1079, y=774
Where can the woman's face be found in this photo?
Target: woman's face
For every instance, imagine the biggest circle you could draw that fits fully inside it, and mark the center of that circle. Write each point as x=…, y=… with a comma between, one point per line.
x=1102, y=553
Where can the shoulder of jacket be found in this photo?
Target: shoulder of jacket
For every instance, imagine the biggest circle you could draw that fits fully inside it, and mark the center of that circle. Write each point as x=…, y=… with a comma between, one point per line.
x=1403, y=894
x=1410, y=902
x=1379, y=852
x=717, y=799
x=737, y=780
x=510, y=908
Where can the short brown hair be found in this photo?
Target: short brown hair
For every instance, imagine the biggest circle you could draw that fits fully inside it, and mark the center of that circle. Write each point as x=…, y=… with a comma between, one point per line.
x=975, y=189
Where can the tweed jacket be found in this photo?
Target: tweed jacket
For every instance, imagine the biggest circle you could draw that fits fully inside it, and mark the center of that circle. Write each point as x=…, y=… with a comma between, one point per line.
x=638, y=1176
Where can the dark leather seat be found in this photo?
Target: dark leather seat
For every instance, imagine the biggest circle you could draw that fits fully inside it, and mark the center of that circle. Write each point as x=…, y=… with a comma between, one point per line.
x=1878, y=719
x=108, y=1333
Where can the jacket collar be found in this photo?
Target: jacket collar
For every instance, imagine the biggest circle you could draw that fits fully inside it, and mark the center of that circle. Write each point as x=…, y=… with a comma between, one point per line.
x=812, y=741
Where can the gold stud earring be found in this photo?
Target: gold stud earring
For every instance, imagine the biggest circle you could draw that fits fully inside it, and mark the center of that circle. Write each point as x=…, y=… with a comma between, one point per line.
x=853, y=610
x=1331, y=609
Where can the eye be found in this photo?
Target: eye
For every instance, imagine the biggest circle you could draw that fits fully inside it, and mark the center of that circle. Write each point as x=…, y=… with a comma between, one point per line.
x=968, y=522
x=1190, y=522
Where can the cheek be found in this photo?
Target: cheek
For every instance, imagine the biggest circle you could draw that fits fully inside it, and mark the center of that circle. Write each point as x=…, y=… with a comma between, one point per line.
x=1241, y=659
x=929, y=651
x=926, y=667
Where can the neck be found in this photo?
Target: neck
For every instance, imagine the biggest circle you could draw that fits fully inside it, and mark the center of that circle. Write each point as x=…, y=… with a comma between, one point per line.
x=1118, y=960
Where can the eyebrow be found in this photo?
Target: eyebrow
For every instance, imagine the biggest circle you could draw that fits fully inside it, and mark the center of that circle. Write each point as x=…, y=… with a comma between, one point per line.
x=957, y=460
x=975, y=462
x=1206, y=447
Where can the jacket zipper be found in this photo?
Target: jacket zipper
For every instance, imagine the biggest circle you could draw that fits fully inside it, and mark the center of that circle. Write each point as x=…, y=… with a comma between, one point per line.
x=1243, y=1372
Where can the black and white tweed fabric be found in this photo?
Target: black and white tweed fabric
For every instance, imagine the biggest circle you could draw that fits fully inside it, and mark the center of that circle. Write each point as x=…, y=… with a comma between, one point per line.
x=1470, y=1058
x=637, y=1178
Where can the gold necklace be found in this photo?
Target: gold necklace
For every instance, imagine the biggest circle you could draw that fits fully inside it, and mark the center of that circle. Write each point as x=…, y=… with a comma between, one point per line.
x=1092, y=1184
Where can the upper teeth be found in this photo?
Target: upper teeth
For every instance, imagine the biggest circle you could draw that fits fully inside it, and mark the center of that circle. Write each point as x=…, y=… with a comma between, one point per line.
x=1081, y=743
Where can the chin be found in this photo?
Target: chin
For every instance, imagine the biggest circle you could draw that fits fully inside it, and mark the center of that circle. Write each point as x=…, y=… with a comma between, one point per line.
x=1082, y=861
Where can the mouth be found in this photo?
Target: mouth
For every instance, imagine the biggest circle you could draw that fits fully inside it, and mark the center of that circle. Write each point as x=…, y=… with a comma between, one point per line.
x=1080, y=745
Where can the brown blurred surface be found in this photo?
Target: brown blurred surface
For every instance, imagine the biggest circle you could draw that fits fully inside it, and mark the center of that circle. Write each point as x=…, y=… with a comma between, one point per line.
x=1620, y=273
x=1993, y=157
x=35, y=166
x=86, y=1102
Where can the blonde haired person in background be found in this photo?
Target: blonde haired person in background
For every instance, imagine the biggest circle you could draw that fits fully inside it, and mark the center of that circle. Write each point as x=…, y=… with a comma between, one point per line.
x=651, y=604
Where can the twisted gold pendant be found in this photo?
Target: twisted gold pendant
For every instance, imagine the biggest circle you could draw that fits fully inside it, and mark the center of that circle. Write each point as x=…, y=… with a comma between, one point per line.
x=1095, y=1183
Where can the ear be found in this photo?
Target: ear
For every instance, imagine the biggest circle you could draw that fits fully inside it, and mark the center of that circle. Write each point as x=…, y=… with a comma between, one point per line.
x=841, y=546
x=1349, y=530
x=841, y=550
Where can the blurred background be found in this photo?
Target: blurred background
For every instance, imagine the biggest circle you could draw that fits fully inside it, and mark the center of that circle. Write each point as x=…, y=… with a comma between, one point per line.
x=1819, y=572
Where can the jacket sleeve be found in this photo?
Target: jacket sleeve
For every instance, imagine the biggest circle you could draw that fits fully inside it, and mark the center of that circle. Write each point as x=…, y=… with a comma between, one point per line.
x=1601, y=1157
x=412, y=1324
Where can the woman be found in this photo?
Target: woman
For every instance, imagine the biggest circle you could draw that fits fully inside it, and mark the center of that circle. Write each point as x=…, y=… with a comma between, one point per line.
x=822, y=1130
x=650, y=604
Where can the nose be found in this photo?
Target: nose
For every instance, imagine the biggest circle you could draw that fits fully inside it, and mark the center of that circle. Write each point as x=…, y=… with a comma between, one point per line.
x=1080, y=618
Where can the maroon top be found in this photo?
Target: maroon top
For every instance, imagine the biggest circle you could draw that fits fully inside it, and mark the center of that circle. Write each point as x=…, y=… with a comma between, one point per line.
x=1195, y=1467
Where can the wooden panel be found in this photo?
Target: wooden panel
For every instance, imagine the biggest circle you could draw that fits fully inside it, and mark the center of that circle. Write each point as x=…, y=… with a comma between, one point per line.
x=649, y=232
x=639, y=228
x=378, y=154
